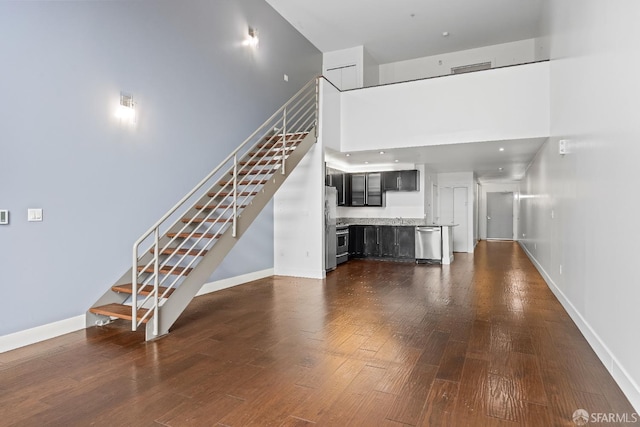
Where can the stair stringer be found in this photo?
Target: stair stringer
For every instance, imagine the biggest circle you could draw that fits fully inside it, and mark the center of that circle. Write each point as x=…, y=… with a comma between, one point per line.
x=176, y=304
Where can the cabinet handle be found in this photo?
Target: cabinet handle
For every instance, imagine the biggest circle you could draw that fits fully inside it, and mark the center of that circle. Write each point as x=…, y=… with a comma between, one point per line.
x=398, y=182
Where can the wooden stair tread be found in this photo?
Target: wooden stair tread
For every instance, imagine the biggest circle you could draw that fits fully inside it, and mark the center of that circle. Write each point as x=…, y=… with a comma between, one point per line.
x=142, y=290
x=271, y=162
x=254, y=172
x=181, y=251
x=166, y=269
x=208, y=208
x=245, y=182
x=229, y=193
x=186, y=235
x=120, y=311
x=202, y=220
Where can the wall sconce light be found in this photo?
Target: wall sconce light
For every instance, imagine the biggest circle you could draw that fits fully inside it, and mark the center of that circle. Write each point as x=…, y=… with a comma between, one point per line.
x=252, y=38
x=126, y=111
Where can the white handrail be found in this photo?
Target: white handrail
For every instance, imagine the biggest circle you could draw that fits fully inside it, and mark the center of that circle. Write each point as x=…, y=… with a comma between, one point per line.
x=264, y=155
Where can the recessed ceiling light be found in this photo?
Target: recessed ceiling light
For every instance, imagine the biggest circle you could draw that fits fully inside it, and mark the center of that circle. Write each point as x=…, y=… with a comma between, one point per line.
x=347, y=154
x=501, y=149
x=366, y=163
x=396, y=160
x=500, y=169
x=382, y=152
x=445, y=34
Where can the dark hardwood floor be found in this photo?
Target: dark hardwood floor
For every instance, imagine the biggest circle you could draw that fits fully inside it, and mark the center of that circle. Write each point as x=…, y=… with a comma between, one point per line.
x=482, y=342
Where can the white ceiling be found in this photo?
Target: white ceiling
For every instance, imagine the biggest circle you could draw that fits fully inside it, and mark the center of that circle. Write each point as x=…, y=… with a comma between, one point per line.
x=390, y=33
x=400, y=30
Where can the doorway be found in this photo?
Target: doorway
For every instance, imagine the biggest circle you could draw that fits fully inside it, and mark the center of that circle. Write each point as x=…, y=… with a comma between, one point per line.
x=500, y=215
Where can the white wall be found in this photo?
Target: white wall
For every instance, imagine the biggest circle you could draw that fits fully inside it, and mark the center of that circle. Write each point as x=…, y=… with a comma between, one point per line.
x=482, y=215
x=429, y=178
x=371, y=70
x=580, y=211
x=499, y=55
x=299, y=203
x=345, y=57
x=467, y=180
x=500, y=104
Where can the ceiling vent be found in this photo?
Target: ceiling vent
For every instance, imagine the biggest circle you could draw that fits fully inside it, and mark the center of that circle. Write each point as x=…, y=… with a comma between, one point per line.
x=471, y=68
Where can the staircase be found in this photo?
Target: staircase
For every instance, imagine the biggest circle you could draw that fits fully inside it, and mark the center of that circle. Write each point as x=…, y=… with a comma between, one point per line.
x=175, y=257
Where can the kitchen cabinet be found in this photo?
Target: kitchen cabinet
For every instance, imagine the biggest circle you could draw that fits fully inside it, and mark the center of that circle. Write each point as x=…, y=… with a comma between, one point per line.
x=366, y=189
x=383, y=241
x=363, y=241
x=407, y=180
x=342, y=183
x=405, y=242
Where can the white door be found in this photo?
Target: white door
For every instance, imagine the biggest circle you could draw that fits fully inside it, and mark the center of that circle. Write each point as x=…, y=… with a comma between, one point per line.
x=344, y=78
x=500, y=215
x=446, y=205
x=454, y=210
x=460, y=217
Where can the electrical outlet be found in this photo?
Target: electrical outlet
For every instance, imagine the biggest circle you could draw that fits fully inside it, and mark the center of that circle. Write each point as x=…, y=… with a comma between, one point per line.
x=286, y=78
x=4, y=217
x=535, y=246
x=553, y=214
x=560, y=268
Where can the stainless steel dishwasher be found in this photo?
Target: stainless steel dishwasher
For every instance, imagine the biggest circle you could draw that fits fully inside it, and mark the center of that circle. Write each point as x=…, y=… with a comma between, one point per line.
x=429, y=243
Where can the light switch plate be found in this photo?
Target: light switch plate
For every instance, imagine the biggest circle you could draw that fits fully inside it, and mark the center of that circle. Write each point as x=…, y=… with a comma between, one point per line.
x=34, y=214
x=4, y=217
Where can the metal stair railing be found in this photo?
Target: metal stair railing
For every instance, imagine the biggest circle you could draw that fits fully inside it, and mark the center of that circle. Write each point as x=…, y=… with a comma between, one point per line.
x=213, y=206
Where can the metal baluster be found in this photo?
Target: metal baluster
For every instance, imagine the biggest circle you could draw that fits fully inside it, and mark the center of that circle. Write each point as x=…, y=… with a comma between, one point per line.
x=134, y=289
x=284, y=138
x=235, y=195
x=155, y=279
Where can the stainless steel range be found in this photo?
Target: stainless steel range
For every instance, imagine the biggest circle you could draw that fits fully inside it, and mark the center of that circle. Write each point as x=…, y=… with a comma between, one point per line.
x=342, y=243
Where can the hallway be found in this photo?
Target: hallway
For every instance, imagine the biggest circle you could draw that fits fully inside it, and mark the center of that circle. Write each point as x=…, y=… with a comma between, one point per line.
x=481, y=342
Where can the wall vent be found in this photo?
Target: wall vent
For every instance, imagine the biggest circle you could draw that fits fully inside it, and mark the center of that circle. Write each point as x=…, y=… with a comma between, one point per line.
x=470, y=68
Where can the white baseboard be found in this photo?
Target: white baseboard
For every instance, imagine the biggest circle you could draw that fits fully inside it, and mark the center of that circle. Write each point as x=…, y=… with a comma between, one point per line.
x=55, y=329
x=628, y=386
x=304, y=273
x=41, y=333
x=218, y=285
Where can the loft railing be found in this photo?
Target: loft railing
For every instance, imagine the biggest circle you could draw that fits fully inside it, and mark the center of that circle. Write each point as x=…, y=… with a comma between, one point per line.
x=173, y=246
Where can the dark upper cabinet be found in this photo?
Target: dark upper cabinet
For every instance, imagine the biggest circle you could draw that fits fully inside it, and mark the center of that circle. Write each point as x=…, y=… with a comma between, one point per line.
x=358, y=189
x=366, y=189
x=401, y=180
x=341, y=181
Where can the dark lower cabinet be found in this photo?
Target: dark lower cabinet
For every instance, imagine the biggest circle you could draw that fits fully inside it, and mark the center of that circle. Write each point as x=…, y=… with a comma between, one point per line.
x=406, y=242
x=371, y=241
x=383, y=241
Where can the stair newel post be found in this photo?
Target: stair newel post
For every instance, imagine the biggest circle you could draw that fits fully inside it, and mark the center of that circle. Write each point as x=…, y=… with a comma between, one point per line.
x=235, y=195
x=156, y=270
x=284, y=138
x=134, y=289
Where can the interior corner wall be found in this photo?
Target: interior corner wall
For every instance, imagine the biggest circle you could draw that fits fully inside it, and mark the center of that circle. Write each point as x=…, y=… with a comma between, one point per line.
x=371, y=69
x=580, y=209
x=199, y=93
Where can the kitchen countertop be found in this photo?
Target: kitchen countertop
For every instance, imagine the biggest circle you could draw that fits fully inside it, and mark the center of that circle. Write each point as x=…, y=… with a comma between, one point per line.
x=389, y=221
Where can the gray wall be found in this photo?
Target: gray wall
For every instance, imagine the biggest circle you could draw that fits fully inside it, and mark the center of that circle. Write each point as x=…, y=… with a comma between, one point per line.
x=101, y=184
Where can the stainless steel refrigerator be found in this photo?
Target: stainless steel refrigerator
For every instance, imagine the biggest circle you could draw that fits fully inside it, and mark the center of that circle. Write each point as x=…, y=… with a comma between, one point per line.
x=330, y=207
